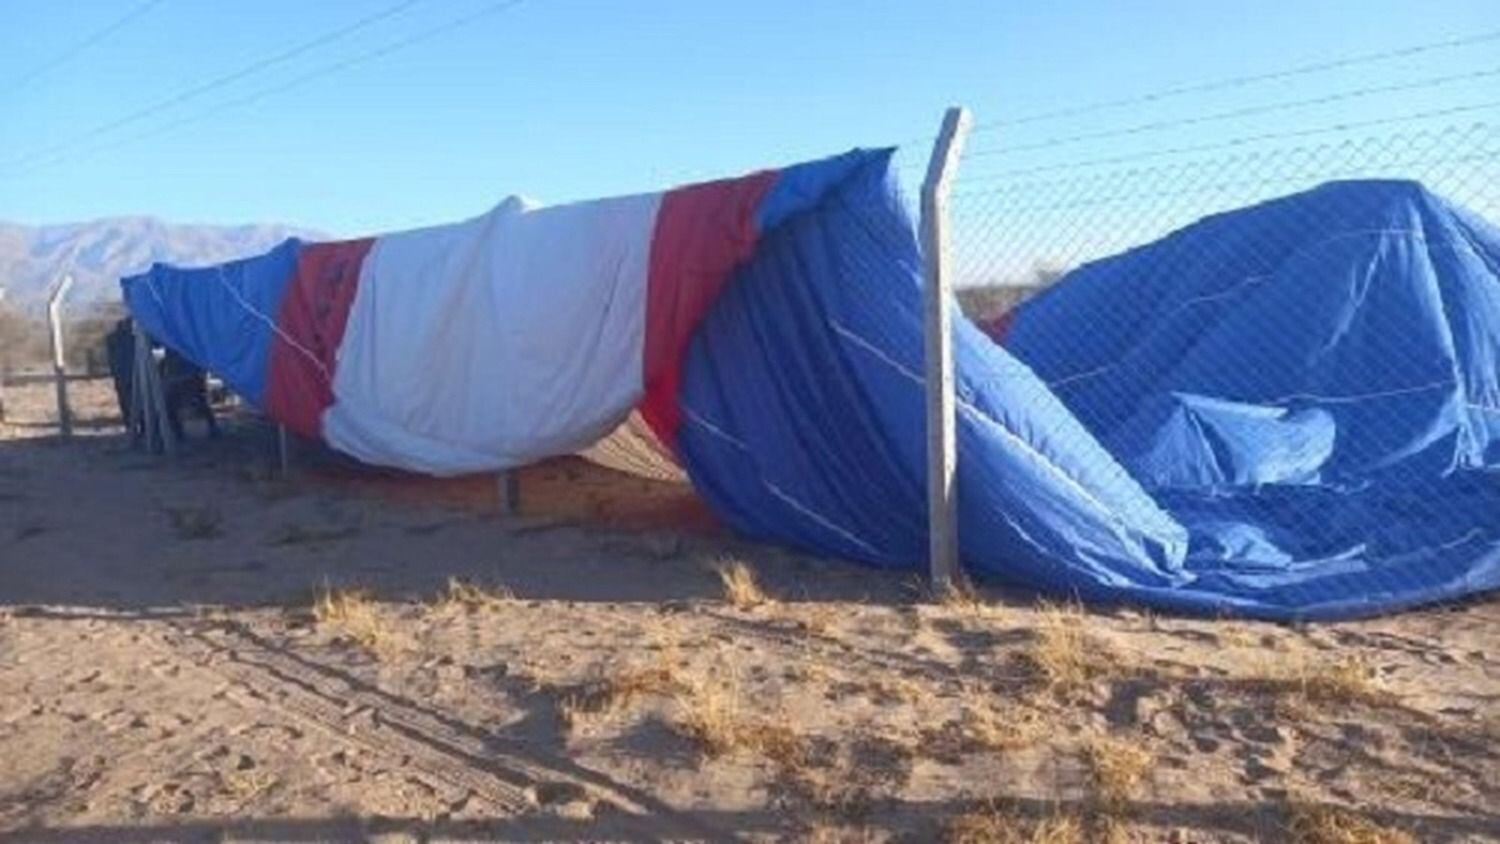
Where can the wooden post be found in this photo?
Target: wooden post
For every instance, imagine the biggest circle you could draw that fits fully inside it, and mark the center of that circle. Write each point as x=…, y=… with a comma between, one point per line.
x=148, y=400
x=59, y=356
x=942, y=447
x=139, y=423
x=508, y=482
x=157, y=396
x=4, y=365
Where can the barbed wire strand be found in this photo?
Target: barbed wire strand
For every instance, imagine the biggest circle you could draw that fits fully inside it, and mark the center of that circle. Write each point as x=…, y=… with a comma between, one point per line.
x=298, y=81
x=261, y=64
x=1248, y=111
x=89, y=41
x=1242, y=81
x=1245, y=140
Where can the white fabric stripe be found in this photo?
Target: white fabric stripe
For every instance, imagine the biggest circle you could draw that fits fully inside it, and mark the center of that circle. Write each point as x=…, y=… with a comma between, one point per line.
x=498, y=341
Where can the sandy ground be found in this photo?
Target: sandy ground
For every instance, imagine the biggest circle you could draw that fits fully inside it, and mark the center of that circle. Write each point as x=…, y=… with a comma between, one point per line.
x=195, y=649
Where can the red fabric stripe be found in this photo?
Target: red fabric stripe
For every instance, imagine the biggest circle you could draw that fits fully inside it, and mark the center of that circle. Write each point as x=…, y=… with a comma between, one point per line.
x=314, y=311
x=702, y=232
x=998, y=327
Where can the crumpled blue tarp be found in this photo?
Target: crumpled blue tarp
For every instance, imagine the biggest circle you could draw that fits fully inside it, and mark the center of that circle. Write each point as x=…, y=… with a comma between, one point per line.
x=1288, y=411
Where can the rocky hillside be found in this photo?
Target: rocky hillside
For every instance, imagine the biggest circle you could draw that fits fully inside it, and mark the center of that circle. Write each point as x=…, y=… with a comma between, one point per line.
x=99, y=252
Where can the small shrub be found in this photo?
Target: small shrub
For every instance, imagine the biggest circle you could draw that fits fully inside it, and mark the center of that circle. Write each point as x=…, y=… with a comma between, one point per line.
x=985, y=728
x=617, y=692
x=1314, y=824
x=741, y=589
x=353, y=614
x=1349, y=678
x=712, y=717
x=995, y=823
x=1117, y=766
x=1064, y=656
x=190, y=523
x=466, y=596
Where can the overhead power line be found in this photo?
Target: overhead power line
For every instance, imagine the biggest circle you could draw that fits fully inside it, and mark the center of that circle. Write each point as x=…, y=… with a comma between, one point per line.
x=230, y=78
x=1248, y=111
x=1242, y=81
x=94, y=38
x=1247, y=140
x=298, y=81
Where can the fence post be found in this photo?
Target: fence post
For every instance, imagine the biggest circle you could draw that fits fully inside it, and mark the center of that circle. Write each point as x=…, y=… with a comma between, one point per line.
x=4, y=365
x=148, y=404
x=139, y=421
x=59, y=358
x=508, y=483
x=942, y=447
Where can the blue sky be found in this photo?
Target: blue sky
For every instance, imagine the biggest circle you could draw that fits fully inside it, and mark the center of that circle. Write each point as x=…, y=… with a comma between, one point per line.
x=566, y=99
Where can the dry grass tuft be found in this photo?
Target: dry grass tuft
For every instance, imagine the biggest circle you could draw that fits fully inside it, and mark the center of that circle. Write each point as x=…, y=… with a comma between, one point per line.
x=713, y=717
x=1313, y=824
x=466, y=596
x=1118, y=766
x=294, y=534
x=741, y=589
x=1350, y=678
x=195, y=522
x=961, y=596
x=1237, y=635
x=1064, y=656
x=616, y=692
x=830, y=832
x=834, y=792
x=898, y=689
x=353, y=614
x=817, y=620
x=1302, y=683
x=981, y=726
x=247, y=785
x=995, y=823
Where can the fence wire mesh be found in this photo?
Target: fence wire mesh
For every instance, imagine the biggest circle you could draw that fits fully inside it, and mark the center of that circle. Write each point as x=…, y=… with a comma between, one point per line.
x=1287, y=338
x=1015, y=239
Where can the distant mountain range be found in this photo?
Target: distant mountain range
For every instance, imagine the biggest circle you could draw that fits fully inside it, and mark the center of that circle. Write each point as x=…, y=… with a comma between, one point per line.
x=98, y=253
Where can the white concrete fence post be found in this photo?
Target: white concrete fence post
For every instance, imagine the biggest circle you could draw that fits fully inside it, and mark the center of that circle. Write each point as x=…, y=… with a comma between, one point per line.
x=4, y=367
x=59, y=353
x=942, y=446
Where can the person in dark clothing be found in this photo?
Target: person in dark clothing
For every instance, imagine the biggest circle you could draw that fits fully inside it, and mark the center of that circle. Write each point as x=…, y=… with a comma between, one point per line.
x=184, y=384
x=186, y=387
x=119, y=349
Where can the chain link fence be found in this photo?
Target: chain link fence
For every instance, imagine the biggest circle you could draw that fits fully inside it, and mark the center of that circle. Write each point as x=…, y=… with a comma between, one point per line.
x=1018, y=237
x=1290, y=339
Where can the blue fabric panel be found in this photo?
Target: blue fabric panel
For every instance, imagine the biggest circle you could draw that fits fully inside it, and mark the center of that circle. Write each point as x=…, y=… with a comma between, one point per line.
x=1308, y=385
x=1299, y=428
x=1185, y=441
x=804, y=420
x=221, y=318
x=803, y=186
